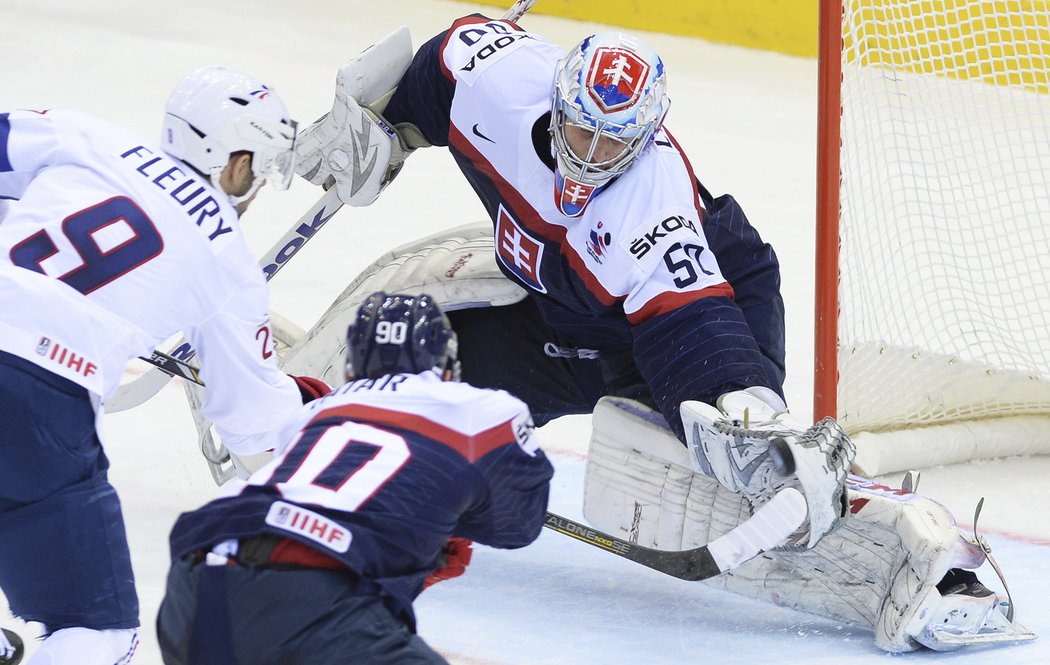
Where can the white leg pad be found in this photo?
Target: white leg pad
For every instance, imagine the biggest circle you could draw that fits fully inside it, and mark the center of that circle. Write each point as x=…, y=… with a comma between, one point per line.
x=457, y=267
x=639, y=482
x=879, y=568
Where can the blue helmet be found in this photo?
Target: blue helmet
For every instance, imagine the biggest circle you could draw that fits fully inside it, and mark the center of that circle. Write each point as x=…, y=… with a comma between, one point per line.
x=400, y=333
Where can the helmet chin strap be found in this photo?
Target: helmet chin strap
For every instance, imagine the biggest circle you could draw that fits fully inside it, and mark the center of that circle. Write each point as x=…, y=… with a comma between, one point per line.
x=235, y=201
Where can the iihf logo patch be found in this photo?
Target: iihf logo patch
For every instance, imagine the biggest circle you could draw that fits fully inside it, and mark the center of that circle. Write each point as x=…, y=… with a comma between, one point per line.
x=518, y=251
x=598, y=244
x=42, y=346
x=617, y=78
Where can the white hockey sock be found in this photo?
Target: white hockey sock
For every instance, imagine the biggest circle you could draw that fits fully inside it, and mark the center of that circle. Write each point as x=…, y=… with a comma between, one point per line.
x=84, y=646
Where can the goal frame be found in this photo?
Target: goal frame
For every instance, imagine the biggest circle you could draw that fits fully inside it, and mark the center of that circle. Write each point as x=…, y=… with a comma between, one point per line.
x=829, y=105
x=1005, y=409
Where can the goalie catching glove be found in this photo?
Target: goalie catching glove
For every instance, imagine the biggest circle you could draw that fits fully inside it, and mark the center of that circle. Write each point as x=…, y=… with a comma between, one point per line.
x=352, y=147
x=746, y=445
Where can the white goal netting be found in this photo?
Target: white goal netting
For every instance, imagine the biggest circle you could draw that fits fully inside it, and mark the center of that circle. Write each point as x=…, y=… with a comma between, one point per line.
x=944, y=287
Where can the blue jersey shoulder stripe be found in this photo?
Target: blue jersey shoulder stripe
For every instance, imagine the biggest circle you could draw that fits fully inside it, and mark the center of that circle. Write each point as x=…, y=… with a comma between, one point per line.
x=5, y=131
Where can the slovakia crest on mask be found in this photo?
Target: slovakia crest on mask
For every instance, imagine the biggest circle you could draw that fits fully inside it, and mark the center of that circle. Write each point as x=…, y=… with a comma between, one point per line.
x=616, y=79
x=572, y=196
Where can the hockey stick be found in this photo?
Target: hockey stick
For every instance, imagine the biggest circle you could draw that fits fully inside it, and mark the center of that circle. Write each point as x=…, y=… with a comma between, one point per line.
x=146, y=386
x=171, y=364
x=517, y=10
x=214, y=453
x=771, y=524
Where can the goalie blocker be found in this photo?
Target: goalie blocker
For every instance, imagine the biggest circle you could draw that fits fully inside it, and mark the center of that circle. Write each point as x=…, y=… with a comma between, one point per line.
x=895, y=563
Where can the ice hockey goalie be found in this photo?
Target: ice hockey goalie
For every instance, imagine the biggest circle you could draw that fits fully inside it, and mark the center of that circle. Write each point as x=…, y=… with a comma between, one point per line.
x=895, y=563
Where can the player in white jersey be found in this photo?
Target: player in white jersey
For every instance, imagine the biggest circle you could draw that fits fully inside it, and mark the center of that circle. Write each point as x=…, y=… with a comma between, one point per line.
x=109, y=245
x=336, y=536
x=640, y=283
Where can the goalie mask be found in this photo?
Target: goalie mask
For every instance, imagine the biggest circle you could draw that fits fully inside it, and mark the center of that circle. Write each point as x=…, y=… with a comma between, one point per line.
x=609, y=100
x=400, y=333
x=216, y=112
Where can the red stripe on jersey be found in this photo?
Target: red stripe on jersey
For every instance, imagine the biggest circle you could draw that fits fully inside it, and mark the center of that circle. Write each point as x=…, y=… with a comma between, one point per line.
x=473, y=447
x=692, y=176
x=531, y=219
x=459, y=23
x=669, y=301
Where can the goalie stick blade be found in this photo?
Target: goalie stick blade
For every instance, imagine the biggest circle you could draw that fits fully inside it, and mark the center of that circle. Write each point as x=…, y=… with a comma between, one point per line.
x=137, y=391
x=767, y=528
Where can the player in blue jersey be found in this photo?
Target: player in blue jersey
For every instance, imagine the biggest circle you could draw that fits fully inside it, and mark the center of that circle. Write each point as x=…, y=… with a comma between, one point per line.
x=317, y=557
x=109, y=245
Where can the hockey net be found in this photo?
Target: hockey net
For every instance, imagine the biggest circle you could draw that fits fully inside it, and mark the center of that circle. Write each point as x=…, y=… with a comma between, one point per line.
x=933, y=320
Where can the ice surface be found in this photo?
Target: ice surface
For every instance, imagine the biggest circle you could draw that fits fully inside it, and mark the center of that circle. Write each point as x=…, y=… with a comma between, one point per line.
x=746, y=118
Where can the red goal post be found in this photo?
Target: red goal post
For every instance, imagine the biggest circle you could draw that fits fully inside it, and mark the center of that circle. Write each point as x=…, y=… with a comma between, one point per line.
x=933, y=234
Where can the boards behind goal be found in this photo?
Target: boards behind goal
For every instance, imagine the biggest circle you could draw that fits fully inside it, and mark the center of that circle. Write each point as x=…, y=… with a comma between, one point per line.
x=933, y=286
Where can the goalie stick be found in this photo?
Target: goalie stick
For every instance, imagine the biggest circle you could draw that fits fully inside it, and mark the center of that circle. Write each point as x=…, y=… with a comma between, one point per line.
x=517, y=10
x=139, y=390
x=769, y=527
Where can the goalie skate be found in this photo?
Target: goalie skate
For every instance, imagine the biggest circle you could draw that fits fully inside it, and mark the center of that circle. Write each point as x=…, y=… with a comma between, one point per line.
x=969, y=613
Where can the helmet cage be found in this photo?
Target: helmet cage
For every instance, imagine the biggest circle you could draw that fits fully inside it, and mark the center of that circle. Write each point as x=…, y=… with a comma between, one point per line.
x=579, y=100
x=585, y=168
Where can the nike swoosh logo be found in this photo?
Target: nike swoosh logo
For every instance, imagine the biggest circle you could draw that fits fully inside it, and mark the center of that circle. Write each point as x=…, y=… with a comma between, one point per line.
x=479, y=134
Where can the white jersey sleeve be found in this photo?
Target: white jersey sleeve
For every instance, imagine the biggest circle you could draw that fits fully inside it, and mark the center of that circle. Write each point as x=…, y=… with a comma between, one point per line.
x=246, y=395
x=149, y=248
x=25, y=152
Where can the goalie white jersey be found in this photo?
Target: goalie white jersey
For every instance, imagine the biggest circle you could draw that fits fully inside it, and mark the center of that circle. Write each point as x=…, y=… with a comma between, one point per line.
x=120, y=247
x=638, y=246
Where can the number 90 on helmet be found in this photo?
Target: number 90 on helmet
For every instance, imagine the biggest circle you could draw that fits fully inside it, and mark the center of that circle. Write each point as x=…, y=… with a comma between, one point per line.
x=400, y=334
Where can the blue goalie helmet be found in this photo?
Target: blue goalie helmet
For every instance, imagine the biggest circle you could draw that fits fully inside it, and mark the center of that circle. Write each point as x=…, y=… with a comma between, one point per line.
x=610, y=97
x=399, y=333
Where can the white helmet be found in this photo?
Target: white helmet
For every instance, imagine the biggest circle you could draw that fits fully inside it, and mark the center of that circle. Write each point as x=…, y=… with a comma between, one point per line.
x=613, y=86
x=215, y=112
